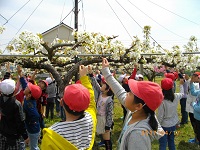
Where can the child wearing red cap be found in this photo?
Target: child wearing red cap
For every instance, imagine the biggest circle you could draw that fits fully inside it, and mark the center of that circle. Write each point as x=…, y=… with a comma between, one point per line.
x=170, y=73
x=32, y=92
x=104, y=109
x=78, y=131
x=123, y=79
x=40, y=101
x=142, y=100
x=167, y=112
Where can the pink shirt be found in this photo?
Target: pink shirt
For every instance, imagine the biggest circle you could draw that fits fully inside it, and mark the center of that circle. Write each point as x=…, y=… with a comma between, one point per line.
x=101, y=105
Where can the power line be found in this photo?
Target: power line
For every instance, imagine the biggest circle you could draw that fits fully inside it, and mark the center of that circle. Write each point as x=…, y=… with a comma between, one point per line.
x=156, y=21
x=137, y=23
x=28, y=17
x=7, y=21
x=16, y=12
x=4, y=17
x=69, y=12
x=67, y=15
x=119, y=20
x=25, y=21
x=70, y=23
x=83, y=17
x=173, y=13
x=60, y=19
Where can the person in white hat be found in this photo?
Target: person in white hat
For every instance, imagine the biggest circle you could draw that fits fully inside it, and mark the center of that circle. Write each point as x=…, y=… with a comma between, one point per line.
x=12, y=125
x=139, y=77
x=51, y=92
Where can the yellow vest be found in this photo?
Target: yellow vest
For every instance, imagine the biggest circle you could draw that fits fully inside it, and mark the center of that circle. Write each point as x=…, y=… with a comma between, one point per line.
x=53, y=141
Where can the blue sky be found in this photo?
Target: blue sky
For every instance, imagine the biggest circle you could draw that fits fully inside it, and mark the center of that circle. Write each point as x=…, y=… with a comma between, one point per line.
x=167, y=28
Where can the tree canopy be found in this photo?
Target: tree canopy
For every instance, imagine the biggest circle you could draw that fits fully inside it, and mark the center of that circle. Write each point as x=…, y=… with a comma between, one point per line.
x=62, y=53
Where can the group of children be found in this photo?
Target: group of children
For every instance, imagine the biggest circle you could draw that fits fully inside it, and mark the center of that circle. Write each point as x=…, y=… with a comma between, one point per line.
x=30, y=100
x=88, y=107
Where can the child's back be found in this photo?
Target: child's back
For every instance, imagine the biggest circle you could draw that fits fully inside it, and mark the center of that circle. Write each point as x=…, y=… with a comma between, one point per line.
x=167, y=112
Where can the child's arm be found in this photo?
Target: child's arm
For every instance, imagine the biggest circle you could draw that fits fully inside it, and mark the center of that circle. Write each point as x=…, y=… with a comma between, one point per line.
x=43, y=107
x=86, y=82
x=17, y=86
x=51, y=76
x=193, y=91
x=8, y=67
x=109, y=115
x=94, y=82
x=134, y=72
x=21, y=78
x=160, y=113
x=92, y=106
x=116, y=87
x=33, y=75
x=180, y=95
x=196, y=106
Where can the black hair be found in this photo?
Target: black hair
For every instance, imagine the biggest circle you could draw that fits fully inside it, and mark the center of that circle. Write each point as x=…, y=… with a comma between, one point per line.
x=75, y=113
x=7, y=75
x=110, y=92
x=168, y=94
x=31, y=81
x=152, y=121
x=9, y=95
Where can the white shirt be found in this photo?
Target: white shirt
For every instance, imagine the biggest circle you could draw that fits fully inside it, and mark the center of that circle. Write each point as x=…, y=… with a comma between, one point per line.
x=167, y=111
x=191, y=98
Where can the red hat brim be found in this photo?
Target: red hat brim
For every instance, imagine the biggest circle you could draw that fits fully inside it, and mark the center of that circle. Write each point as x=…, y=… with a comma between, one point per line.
x=45, y=82
x=36, y=91
x=149, y=92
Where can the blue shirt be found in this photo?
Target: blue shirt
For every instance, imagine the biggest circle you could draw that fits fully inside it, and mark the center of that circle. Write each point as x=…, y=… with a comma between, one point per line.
x=31, y=116
x=195, y=105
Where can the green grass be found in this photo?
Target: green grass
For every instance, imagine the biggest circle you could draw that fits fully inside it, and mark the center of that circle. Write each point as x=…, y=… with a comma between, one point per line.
x=185, y=132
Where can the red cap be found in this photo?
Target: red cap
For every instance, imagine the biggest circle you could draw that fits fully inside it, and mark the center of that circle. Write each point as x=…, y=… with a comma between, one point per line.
x=175, y=75
x=103, y=79
x=36, y=91
x=170, y=75
x=149, y=92
x=197, y=73
x=46, y=83
x=166, y=84
x=76, y=97
x=78, y=82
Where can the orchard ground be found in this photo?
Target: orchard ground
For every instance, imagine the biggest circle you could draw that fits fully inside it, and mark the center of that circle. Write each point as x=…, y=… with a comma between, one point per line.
x=183, y=134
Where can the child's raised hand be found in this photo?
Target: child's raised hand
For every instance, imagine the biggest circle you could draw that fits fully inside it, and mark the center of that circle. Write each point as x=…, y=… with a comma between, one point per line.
x=135, y=65
x=36, y=71
x=19, y=70
x=182, y=81
x=83, y=70
x=90, y=71
x=105, y=63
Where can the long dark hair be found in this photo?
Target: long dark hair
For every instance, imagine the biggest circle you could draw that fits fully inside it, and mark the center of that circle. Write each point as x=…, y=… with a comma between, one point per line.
x=168, y=95
x=110, y=92
x=152, y=121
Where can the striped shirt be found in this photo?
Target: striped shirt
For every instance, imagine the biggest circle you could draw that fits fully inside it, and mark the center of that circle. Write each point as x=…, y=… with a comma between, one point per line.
x=78, y=132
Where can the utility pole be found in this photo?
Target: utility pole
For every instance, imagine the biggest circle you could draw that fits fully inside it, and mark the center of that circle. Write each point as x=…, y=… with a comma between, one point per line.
x=76, y=28
x=76, y=16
